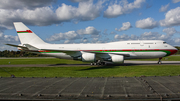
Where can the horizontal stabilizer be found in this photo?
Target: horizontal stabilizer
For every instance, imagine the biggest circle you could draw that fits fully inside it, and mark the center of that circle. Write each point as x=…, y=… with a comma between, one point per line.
x=22, y=47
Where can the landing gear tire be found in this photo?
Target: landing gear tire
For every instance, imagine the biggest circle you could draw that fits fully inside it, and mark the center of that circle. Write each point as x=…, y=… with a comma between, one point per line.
x=95, y=63
x=160, y=62
x=103, y=63
x=92, y=63
x=98, y=63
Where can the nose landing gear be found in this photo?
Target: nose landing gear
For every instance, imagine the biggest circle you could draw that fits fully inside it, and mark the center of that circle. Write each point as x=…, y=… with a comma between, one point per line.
x=160, y=62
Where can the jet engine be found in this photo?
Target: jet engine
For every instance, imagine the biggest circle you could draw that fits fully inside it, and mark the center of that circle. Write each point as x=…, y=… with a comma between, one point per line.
x=117, y=59
x=88, y=57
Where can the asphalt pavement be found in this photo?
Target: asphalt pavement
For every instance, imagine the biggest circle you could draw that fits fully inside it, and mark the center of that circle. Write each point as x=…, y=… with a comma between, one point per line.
x=164, y=88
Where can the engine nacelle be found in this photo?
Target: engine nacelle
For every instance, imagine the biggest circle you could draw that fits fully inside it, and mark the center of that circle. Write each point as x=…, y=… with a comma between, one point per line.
x=117, y=59
x=88, y=57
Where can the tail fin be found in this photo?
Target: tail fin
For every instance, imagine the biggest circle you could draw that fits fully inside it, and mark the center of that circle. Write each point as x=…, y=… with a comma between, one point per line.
x=26, y=36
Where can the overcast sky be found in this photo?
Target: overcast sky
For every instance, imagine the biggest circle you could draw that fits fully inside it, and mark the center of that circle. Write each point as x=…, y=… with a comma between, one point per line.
x=88, y=21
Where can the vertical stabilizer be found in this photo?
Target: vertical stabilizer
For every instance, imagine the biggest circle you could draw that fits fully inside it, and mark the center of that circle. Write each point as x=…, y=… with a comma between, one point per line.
x=26, y=36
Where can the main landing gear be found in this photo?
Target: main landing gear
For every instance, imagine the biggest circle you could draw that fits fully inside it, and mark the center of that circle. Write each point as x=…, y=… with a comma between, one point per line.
x=95, y=63
x=160, y=62
x=98, y=62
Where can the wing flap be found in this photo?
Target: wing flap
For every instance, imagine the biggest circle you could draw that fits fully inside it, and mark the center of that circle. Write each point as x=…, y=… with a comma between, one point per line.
x=126, y=55
x=73, y=53
x=30, y=47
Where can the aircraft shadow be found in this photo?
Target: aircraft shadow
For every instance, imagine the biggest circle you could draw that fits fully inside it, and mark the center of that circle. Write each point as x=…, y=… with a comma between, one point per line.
x=108, y=65
x=64, y=64
x=98, y=67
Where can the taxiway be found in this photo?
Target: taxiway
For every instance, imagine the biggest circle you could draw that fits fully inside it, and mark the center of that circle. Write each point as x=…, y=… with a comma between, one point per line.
x=126, y=62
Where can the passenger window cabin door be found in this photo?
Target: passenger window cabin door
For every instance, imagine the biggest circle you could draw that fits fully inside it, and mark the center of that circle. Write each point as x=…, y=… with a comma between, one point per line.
x=141, y=43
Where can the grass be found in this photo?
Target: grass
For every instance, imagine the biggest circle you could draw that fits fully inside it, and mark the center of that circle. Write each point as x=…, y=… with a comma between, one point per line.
x=168, y=58
x=88, y=71
x=38, y=61
x=63, y=61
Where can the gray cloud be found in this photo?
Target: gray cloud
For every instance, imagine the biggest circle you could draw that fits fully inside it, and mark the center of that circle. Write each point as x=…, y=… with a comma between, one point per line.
x=67, y=41
x=164, y=8
x=148, y=23
x=84, y=40
x=8, y=38
x=113, y=32
x=79, y=0
x=175, y=1
x=4, y=39
x=170, y=31
x=151, y=36
x=122, y=37
x=89, y=31
x=123, y=7
x=70, y=35
x=43, y=16
x=144, y=36
x=73, y=35
x=56, y=37
x=25, y=4
x=126, y=26
x=171, y=18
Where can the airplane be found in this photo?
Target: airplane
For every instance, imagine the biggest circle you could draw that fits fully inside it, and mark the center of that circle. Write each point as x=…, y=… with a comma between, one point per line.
x=95, y=53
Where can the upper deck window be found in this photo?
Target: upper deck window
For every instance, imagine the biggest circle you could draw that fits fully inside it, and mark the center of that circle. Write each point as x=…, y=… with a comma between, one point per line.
x=148, y=43
x=135, y=43
x=164, y=42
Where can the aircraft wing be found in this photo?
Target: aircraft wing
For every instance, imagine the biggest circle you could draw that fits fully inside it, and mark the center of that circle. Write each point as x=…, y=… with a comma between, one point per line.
x=71, y=52
x=55, y=50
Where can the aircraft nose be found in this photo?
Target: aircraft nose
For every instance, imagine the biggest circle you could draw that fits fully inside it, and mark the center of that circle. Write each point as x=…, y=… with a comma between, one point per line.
x=173, y=51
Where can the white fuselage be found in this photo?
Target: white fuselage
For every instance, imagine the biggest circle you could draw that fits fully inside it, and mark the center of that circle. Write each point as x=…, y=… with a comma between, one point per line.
x=135, y=49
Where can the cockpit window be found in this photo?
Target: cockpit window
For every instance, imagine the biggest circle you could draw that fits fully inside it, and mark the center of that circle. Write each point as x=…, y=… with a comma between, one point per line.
x=164, y=42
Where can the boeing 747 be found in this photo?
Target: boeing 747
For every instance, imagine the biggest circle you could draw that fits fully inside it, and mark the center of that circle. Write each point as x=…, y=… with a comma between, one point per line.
x=95, y=53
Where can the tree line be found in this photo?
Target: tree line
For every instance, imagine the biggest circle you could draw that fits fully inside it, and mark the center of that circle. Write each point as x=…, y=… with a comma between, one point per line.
x=178, y=52
x=8, y=53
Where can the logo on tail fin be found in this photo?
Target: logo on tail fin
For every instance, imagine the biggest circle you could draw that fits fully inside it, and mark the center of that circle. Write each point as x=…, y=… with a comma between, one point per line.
x=27, y=31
